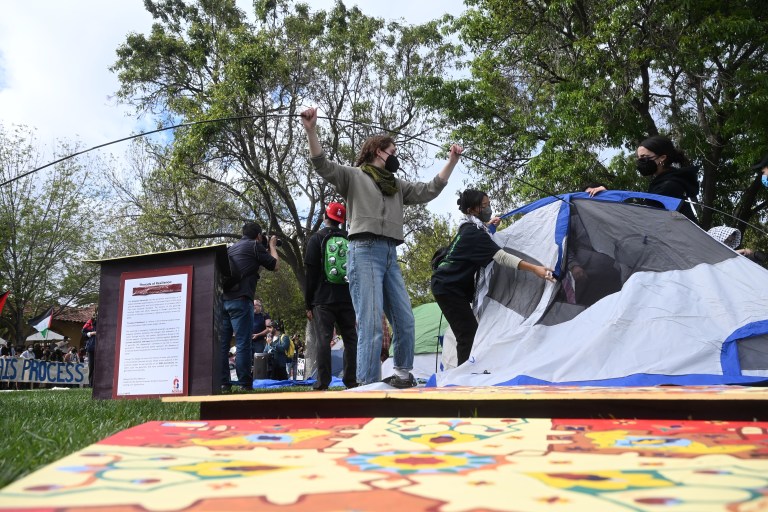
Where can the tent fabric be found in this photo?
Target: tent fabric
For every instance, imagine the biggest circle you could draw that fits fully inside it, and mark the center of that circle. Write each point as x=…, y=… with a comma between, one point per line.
x=50, y=336
x=662, y=301
x=431, y=326
x=271, y=383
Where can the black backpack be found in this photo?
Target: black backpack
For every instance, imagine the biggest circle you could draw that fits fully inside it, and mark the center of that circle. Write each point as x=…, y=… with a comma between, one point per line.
x=439, y=256
x=231, y=282
x=443, y=251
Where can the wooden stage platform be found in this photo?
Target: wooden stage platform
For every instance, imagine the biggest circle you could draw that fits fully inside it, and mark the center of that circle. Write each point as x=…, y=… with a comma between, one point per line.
x=410, y=464
x=734, y=403
x=536, y=448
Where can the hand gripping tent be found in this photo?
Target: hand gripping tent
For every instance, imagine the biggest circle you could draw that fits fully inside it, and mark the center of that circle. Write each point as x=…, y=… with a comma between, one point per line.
x=644, y=297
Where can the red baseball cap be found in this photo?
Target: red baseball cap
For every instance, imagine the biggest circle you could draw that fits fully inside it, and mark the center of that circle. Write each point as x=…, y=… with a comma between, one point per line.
x=336, y=211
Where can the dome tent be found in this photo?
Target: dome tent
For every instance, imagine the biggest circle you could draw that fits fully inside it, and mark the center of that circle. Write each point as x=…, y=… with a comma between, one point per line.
x=662, y=302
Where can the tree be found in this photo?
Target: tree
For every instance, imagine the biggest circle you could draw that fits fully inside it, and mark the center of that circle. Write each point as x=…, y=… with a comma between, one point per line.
x=158, y=211
x=203, y=61
x=283, y=299
x=417, y=256
x=562, y=92
x=48, y=225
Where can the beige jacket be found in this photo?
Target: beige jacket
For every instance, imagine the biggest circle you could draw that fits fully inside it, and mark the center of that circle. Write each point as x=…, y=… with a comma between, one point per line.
x=368, y=210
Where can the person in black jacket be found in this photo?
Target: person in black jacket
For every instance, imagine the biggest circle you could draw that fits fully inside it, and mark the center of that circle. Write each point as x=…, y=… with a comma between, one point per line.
x=671, y=173
x=246, y=256
x=453, y=281
x=329, y=304
x=89, y=335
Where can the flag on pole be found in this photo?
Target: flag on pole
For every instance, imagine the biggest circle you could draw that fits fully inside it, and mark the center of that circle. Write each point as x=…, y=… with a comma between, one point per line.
x=43, y=322
x=3, y=297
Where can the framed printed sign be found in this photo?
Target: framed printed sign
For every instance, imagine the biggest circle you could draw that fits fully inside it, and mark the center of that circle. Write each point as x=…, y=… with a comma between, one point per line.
x=152, y=342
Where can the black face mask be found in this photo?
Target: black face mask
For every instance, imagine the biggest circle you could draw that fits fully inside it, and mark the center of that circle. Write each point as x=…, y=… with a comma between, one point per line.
x=485, y=214
x=646, y=166
x=392, y=164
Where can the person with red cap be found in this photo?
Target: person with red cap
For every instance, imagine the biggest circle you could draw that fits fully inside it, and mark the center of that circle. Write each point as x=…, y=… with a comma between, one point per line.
x=327, y=297
x=376, y=198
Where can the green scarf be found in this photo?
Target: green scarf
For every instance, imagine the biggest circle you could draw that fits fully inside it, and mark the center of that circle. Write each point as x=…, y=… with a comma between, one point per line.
x=384, y=179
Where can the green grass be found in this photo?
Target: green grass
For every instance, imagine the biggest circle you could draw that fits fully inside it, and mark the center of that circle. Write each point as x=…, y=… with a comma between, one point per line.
x=41, y=426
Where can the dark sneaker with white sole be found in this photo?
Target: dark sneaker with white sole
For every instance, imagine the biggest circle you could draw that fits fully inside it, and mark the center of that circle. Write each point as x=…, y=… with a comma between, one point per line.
x=397, y=382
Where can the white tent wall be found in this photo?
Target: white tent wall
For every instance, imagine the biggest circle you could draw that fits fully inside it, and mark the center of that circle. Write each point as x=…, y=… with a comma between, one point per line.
x=690, y=312
x=424, y=364
x=50, y=336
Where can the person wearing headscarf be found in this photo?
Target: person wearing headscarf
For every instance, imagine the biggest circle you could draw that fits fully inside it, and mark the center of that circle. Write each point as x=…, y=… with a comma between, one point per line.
x=453, y=281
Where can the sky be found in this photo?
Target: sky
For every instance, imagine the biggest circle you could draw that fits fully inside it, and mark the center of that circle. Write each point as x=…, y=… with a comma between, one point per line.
x=55, y=57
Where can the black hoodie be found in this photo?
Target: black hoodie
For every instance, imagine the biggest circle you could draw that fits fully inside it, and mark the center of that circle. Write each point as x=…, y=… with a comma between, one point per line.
x=680, y=183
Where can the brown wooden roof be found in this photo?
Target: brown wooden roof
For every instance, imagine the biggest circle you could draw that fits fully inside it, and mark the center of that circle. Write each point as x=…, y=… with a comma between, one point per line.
x=75, y=314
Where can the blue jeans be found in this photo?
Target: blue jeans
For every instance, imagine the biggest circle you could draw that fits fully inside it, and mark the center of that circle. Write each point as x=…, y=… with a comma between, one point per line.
x=237, y=318
x=377, y=286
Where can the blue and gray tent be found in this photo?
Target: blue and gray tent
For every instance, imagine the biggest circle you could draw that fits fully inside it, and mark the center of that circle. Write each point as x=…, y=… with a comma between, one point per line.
x=654, y=300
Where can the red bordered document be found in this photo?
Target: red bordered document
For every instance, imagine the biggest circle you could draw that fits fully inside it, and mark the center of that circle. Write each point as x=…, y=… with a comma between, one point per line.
x=152, y=343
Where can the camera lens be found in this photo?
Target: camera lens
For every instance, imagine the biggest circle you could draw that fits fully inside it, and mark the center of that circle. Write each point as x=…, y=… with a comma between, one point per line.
x=265, y=241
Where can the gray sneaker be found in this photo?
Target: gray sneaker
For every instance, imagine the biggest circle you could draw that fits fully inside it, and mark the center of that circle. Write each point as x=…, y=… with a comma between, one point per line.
x=397, y=382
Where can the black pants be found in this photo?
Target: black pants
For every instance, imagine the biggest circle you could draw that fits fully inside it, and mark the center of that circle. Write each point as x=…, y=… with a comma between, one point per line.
x=91, y=366
x=324, y=317
x=276, y=368
x=458, y=312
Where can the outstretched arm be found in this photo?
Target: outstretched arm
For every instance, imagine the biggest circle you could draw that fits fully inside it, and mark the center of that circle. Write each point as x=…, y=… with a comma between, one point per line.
x=453, y=159
x=509, y=260
x=309, y=120
x=540, y=270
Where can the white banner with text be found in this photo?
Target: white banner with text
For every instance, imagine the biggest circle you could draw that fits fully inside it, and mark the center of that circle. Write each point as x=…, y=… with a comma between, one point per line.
x=17, y=369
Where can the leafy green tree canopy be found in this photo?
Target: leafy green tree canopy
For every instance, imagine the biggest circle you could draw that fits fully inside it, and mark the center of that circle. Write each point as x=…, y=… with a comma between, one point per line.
x=49, y=223
x=205, y=60
x=561, y=92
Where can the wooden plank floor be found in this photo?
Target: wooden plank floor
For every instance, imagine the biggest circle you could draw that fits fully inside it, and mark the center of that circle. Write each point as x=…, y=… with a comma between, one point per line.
x=734, y=403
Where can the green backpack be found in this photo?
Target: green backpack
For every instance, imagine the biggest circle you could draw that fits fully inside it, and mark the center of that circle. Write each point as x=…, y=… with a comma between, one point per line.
x=335, y=247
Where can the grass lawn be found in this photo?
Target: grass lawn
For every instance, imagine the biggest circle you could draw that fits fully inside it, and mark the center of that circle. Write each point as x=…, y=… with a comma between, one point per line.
x=41, y=426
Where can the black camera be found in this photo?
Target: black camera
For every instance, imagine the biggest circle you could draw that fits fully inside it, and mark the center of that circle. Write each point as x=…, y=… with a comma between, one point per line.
x=265, y=241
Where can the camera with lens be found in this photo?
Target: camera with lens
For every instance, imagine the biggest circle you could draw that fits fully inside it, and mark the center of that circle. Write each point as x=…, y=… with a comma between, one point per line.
x=265, y=240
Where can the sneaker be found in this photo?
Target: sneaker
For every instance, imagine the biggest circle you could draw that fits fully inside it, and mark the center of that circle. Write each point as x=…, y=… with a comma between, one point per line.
x=397, y=382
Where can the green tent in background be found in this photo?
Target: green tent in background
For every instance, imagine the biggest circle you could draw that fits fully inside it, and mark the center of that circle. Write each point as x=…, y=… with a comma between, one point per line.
x=429, y=319
x=430, y=323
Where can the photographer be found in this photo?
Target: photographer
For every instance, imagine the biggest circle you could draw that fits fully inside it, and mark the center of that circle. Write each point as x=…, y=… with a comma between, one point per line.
x=246, y=256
